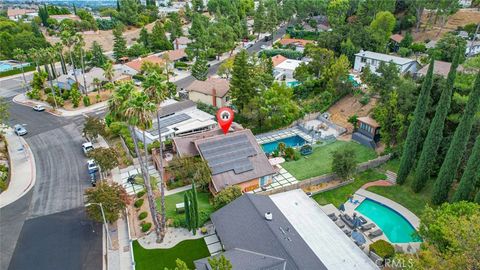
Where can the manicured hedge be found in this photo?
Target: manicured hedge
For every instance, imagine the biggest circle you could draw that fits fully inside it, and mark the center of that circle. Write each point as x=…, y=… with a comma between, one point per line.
x=138, y=203
x=16, y=71
x=140, y=194
x=142, y=215
x=291, y=54
x=383, y=249
x=146, y=226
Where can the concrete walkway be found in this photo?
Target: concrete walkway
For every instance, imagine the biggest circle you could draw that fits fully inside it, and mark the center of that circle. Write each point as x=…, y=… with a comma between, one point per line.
x=173, y=237
x=22, y=168
x=177, y=190
x=24, y=100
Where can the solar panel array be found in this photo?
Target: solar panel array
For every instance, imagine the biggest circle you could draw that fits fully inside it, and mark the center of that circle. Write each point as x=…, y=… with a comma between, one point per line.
x=229, y=153
x=171, y=120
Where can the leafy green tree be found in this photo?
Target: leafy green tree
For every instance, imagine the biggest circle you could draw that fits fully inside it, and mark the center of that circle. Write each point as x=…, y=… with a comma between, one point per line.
x=259, y=20
x=144, y=37
x=466, y=188
x=120, y=44
x=451, y=236
x=113, y=198
x=220, y=263
x=106, y=158
x=227, y=195
x=278, y=106
x=382, y=27
x=448, y=45
x=415, y=128
x=98, y=58
x=222, y=38
x=457, y=146
x=348, y=49
x=242, y=87
x=407, y=40
x=344, y=162
x=337, y=12
x=128, y=12
x=435, y=131
x=93, y=127
x=158, y=39
x=368, y=9
x=225, y=69
x=197, y=5
x=200, y=68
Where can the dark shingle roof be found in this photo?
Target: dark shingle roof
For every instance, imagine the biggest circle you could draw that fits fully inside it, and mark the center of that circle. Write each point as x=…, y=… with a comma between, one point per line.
x=176, y=107
x=242, y=224
x=246, y=260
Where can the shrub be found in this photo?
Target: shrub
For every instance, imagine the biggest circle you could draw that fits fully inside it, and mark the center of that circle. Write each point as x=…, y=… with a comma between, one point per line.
x=154, y=144
x=365, y=100
x=203, y=230
x=179, y=221
x=116, y=127
x=180, y=65
x=51, y=100
x=34, y=94
x=139, y=77
x=227, y=195
x=146, y=226
x=291, y=54
x=383, y=249
x=138, y=203
x=86, y=101
x=404, y=52
x=140, y=194
x=143, y=215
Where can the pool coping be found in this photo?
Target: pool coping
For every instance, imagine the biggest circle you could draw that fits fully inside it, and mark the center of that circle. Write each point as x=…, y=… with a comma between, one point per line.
x=282, y=134
x=400, y=209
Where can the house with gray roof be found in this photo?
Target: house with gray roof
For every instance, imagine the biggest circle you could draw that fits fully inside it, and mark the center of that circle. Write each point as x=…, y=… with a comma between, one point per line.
x=374, y=59
x=289, y=230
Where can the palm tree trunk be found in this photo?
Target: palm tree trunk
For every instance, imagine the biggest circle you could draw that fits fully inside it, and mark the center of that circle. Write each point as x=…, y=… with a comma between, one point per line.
x=162, y=187
x=73, y=67
x=62, y=61
x=24, y=79
x=83, y=73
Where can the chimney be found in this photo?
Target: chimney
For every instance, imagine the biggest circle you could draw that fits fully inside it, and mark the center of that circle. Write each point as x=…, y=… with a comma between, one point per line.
x=214, y=97
x=269, y=216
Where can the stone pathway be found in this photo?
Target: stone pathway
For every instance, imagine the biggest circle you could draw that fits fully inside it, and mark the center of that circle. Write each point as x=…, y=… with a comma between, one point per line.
x=173, y=237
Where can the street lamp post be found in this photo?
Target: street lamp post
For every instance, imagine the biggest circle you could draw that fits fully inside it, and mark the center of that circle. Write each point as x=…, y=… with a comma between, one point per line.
x=104, y=222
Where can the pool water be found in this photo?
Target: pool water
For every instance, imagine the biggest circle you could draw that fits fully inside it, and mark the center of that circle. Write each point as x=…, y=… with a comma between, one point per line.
x=293, y=83
x=353, y=81
x=395, y=227
x=293, y=141
x=4, y=66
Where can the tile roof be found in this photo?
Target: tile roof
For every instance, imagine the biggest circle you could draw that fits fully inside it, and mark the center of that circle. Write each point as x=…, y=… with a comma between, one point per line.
x=439, y=68
x=397, y=38
x=174, y=55
x=278, y=59
x=217, y=86
x=302, y=42
x=182, y=41
x=176, y=107
x=242, y=225
x=137, y=63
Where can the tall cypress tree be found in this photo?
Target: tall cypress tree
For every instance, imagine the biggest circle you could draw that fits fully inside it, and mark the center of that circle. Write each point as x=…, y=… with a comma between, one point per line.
x=119, y=44
x=457, y=146
x=186, y=205
x=118, y=6
x=194, y=209
x=435, y=131
x=414, y=130
x=470, y=175
x=242, y=87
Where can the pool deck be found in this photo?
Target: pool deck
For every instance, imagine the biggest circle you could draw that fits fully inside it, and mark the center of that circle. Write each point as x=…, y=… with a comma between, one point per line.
x=359, y=196
x=281, y=134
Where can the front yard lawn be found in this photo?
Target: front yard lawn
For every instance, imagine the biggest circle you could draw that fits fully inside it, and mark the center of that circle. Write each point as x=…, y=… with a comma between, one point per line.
x=340, y=195
x=152, y=259
x=320, y=161
x=203, y=206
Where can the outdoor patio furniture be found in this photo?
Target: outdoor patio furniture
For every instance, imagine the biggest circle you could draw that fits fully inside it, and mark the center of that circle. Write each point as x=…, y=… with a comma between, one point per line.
x=375, y=233
x=358, y=238
x=347, y=219
x=333, y=217
x=347, y=232
x=363, y=220
x=367, y=227
x=340, y=224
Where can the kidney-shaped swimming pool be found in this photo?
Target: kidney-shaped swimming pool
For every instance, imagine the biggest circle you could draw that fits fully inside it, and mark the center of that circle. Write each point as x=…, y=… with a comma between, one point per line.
x=394, y=226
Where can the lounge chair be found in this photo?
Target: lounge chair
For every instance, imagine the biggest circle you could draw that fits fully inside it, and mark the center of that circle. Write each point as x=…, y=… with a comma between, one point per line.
x=347, y=232
x=347, y=219
x=363, y=220
x=333, y=217
x=375, y=233
x=340, y=224
x=367, y=227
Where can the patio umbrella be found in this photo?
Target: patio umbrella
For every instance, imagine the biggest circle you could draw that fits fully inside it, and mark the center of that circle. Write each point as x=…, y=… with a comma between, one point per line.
x=342, y=207
x=358, y=238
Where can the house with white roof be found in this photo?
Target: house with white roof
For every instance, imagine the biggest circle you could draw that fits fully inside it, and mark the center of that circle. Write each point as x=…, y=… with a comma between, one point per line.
x=178, y=118
x=284, y=68
x=373, y=60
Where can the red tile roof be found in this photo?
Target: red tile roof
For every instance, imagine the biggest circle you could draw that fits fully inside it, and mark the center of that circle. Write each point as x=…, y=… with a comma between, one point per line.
x=302, y=42
x=397, y=38
x=137, y=63
x=175, y=55
x=221, y=86
x=278, y=59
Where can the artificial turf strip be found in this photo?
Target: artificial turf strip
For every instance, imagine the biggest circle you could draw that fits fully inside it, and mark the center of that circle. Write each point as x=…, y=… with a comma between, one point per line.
x=157, y=259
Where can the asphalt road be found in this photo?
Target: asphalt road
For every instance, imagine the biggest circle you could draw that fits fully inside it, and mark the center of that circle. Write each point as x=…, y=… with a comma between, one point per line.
x=47, y=228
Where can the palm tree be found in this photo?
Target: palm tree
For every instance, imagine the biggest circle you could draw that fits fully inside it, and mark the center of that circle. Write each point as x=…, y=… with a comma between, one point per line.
x=136, y=110
x=35, y=57
x=108, y=71
x=58, y=47
x=20, y=55
x=157, y=91
x=96, y=83
x=139, y=113
x=68, y=40
x=51, y=54
x=79, y=43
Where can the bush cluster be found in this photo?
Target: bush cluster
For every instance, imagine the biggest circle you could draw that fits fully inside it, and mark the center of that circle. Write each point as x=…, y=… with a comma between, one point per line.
x=142, y=215
x=383, y=249
x=140, y=194
x=146, y=226
x=138, y=203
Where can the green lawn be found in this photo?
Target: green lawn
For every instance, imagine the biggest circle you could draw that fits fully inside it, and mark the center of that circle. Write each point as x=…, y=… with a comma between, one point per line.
x=340, y=195
x=203, y=205
x=153, y=259
x=320, y=161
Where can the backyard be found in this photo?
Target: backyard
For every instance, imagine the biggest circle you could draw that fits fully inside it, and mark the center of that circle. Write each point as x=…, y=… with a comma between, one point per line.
x=320, y=161
x=340, y=195
x=187, y=251
x=204, y=206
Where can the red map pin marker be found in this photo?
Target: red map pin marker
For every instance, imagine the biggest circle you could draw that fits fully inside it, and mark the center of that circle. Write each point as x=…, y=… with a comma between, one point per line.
x=225, y=118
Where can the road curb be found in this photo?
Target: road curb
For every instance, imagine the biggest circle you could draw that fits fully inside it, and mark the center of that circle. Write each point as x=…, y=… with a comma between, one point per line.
x=32, y=178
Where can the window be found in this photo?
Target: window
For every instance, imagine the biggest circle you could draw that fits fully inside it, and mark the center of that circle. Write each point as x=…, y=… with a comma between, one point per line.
x=363, y=60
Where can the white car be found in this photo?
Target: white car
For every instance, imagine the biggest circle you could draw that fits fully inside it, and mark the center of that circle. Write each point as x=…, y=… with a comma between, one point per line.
x=92, y=166
x=87, y=147
x=263, y=47
x=19, y=130
x=39, y=108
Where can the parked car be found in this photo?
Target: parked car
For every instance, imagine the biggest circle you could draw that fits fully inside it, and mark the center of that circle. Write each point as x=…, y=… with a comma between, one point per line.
x=39, y=108
x=20, y=130
x=87, y=147
x=263, y=47
x=92, y=166
x=248, y=45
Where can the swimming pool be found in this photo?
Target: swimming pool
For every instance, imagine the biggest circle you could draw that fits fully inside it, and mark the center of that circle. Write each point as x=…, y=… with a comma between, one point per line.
x=4, y=66
x=354, y=82
x=293, y=83
x=395, y=227
x=293, y=141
